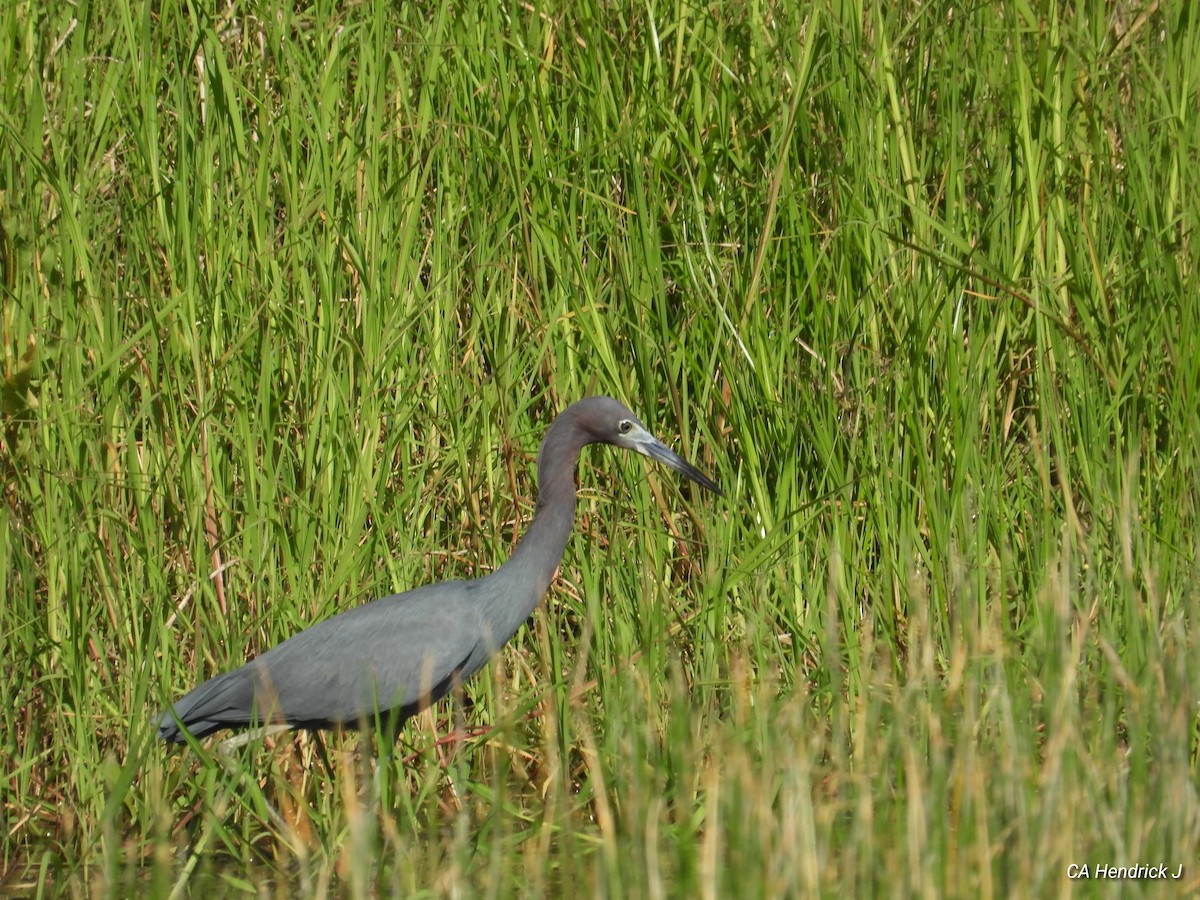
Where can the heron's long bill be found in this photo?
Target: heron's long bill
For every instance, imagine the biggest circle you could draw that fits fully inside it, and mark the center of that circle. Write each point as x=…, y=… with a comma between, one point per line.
x=656, y=449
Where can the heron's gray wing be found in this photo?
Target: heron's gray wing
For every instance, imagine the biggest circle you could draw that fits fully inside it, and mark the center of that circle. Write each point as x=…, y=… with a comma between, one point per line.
x=397, y=653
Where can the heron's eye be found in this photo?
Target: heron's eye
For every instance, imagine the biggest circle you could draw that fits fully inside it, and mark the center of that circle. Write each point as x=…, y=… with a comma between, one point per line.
x=624, y=426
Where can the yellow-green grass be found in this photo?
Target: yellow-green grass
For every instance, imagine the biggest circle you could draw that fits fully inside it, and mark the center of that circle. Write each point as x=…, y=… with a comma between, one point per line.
x=290, y=294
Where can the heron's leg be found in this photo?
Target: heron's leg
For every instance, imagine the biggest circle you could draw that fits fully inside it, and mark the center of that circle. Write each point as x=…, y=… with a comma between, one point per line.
x=381, y=788
x=237, y=741
x=225, y=757
x=320, y=742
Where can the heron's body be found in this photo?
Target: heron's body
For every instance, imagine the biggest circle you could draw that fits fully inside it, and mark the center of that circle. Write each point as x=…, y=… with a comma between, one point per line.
x=392, y=657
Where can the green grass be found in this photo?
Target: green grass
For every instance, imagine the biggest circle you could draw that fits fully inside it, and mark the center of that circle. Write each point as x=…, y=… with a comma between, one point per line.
x=291, y=293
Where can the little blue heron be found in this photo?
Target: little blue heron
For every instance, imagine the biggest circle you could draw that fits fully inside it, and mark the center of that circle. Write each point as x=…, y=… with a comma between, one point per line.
x=394, y=656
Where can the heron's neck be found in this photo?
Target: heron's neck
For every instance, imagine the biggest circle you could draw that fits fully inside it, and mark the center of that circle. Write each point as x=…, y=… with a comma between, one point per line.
x=526, y=576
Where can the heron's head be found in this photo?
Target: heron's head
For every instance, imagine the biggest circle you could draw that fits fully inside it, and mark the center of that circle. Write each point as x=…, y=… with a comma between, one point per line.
x=608, y=422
